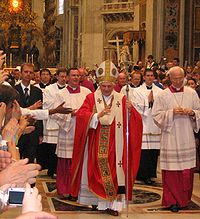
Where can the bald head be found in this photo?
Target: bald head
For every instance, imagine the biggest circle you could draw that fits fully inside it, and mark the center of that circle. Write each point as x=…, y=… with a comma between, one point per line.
x=121, y=79
x=82, y=73
x=176, y=75
x=175, y=70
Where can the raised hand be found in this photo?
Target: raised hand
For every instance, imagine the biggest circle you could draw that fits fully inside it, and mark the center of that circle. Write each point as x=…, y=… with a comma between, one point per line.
x=31, y=200
x=36, y=105
x=16, y=111
x=150, y=97
x=19, y=173
x=10, y=129
x=104, y=112
x=3, y=76
x=5, y=159
x=60, y=109
x=2, y=113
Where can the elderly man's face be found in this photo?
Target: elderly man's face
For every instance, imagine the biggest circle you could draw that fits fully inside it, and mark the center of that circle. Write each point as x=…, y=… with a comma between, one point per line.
x=177, y=78
x=82, y=73
x=135, y=79
x=122, y=79
x=106, y=88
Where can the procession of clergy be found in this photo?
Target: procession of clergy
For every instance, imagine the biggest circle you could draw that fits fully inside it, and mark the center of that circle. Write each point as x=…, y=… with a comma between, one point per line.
x=87, y=148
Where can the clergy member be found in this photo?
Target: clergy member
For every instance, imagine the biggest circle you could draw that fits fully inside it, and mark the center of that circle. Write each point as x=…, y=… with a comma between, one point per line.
x=176, y=112
x=73, y=96
x=99, y=157
x=143, y=99
x=50, y=131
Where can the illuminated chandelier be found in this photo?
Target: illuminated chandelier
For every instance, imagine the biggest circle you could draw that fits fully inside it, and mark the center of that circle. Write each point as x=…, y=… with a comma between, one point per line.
x=15, y=6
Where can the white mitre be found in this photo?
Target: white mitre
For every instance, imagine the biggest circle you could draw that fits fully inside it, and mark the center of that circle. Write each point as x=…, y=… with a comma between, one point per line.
x=107, y=71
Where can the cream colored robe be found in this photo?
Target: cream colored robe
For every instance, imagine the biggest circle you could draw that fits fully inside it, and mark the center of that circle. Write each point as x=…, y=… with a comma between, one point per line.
x=178, y=148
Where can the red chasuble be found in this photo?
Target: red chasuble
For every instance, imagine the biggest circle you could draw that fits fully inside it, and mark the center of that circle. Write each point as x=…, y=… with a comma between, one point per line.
x=98, y=171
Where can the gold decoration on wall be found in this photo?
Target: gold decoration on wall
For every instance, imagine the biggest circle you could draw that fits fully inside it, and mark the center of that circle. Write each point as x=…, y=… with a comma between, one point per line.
x=17, y=14
x=49, y=32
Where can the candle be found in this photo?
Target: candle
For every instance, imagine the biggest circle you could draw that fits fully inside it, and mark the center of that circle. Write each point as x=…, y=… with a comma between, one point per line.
x=10, y=60
x=32, y=59
x=5, y=64
x=27, y=58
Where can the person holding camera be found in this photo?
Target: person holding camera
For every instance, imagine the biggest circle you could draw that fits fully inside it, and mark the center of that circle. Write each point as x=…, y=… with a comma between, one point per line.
x=29, y=198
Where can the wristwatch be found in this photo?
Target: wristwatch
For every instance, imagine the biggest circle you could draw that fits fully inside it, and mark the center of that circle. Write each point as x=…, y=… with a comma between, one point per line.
x=192, y=114
x=3, y=199
x=3, y=145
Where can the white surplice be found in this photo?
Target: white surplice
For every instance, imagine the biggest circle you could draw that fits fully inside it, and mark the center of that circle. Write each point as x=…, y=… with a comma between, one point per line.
x=178, y=148
x=151, y=132
x=67, y=122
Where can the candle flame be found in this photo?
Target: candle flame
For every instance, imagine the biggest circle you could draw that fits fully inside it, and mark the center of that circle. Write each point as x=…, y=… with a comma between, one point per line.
x=15, y=3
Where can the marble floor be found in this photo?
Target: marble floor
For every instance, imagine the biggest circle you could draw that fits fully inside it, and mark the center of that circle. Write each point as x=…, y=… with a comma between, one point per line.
x=136, y=211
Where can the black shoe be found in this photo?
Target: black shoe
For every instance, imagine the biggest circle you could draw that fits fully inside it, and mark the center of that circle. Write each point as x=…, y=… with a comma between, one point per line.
x=111, y=212
x=174, y=208
x=148, y=181
x=94, y=207
x=72, y=199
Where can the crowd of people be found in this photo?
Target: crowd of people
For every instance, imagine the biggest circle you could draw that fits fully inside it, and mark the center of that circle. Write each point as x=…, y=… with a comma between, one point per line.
x=74, y=124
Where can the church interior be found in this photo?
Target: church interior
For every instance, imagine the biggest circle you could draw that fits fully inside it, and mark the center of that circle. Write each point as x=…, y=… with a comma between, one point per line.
x=83, y=33
x=67, y=33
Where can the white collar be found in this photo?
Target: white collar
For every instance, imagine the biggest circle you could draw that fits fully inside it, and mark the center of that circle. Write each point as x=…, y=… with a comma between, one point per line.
x=23, y=87
x=108, y=98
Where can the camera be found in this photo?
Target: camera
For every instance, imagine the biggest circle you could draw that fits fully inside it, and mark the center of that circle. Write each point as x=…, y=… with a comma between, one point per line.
x=15, y=196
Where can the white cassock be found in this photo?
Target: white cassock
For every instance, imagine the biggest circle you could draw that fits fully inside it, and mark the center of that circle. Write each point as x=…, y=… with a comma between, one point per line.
x=178, y=148
x=151, y=132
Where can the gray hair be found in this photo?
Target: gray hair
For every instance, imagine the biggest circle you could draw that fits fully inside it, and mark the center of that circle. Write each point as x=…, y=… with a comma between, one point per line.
x=175, y=69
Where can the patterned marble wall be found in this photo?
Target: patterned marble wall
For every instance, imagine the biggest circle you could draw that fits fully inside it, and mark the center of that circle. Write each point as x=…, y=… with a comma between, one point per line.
x=171, y=28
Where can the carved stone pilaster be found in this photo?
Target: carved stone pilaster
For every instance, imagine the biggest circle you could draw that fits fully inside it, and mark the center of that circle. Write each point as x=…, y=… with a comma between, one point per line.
x=49, y=32
x=172, y=28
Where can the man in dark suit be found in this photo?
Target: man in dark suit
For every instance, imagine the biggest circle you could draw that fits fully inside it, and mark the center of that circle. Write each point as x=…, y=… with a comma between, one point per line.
x=29, y=95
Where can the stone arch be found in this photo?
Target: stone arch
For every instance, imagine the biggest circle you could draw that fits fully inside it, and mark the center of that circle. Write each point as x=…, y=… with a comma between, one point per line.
x=110, y=49
x=112, y=33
